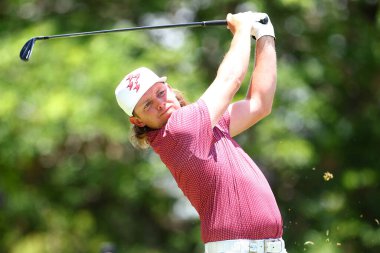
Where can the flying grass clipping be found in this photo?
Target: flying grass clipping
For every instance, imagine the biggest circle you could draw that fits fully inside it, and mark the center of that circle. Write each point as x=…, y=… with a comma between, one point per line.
x=328, y=176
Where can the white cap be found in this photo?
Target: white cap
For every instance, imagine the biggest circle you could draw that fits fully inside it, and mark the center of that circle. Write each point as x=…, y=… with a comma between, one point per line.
x=133, y=87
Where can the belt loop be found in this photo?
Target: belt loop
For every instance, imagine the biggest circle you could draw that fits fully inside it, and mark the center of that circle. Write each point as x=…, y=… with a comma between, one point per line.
x=274, y=245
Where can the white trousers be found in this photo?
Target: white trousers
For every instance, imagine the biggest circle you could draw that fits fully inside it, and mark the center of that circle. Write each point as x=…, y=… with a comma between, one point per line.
x=246, y=246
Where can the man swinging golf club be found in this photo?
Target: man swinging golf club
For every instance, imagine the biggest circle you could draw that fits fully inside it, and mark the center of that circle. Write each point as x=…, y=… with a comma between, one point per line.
x=236, y=206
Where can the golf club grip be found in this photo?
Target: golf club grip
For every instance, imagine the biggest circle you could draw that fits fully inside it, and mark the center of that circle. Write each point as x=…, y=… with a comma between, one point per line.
x=263, y=21
x=214, y=22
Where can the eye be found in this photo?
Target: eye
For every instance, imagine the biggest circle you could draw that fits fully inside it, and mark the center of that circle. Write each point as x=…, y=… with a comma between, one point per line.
x=161, y=93
x=147, y=105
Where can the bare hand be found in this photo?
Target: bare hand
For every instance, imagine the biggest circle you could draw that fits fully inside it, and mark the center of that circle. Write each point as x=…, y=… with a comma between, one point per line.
x=239, y=21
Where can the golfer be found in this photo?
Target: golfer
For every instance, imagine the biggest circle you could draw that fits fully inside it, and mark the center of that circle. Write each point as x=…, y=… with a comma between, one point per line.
x=237, y=209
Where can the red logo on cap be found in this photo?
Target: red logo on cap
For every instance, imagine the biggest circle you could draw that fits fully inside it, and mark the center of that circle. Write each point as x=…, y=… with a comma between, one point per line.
x=133, y=82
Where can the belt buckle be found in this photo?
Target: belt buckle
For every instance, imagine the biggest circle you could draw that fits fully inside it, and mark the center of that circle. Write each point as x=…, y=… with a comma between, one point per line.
x=273, y=246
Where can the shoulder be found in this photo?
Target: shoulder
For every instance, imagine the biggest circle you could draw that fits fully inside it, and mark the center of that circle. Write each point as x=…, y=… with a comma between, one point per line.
x=191, y=118
x=186, y=125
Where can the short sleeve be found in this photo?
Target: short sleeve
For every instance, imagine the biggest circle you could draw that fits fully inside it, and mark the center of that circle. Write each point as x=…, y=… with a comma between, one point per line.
x=224, y=122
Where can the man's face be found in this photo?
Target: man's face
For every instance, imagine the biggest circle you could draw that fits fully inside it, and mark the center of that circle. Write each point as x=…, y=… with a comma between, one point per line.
x=155, y=106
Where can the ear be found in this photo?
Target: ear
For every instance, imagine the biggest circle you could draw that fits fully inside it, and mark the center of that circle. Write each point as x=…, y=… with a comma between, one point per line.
x=136, y=121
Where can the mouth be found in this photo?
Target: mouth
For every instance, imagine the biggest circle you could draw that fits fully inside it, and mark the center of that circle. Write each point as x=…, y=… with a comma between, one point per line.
x=165, y=111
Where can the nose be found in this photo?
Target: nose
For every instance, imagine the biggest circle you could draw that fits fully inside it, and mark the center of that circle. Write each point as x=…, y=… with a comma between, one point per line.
x=160, y=104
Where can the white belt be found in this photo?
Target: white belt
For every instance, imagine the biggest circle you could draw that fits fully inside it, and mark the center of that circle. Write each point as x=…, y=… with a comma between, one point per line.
x=246, y=246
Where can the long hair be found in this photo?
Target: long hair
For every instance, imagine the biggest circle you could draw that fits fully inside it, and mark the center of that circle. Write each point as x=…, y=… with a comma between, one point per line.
x=138, y=135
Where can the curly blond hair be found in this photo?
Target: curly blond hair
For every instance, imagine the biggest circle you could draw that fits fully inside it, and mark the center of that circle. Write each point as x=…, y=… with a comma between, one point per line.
x=138, y=135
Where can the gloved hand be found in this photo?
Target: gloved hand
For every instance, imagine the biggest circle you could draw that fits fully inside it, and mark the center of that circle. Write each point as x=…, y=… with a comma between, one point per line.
x=260, y=29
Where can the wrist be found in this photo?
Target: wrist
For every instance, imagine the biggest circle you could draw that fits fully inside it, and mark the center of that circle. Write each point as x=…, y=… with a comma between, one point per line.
x=265, y=31
x=266, y=38
x=244, y=28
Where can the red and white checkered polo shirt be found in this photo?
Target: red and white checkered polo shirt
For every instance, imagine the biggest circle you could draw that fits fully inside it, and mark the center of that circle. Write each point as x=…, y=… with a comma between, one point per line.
x=229, y=192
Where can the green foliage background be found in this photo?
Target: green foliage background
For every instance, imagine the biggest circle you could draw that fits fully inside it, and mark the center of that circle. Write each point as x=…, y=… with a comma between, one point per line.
x=71, y=182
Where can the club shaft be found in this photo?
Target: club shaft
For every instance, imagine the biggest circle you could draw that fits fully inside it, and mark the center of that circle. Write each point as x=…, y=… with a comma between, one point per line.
x=192, y=24
x=26, y=50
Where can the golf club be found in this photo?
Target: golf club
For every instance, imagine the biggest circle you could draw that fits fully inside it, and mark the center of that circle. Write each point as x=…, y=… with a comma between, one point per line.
x=27, y=49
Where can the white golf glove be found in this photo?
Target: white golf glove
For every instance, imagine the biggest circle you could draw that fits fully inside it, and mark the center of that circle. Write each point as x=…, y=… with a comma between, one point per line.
x=260, y=28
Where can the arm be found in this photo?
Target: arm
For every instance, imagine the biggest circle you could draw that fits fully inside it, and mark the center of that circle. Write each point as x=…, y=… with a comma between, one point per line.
x=259, y=99
x=233, y=68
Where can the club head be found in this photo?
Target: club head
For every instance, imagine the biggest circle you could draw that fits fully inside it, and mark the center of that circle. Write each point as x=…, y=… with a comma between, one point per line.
x=27, y=49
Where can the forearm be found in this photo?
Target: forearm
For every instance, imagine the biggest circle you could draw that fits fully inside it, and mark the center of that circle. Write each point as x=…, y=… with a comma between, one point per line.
x=234, y=66
x=264, y=76
x=230, y=75
x=258, y=102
